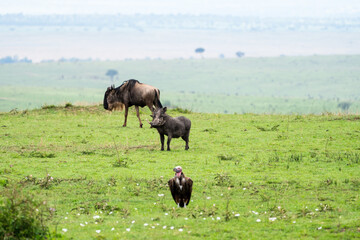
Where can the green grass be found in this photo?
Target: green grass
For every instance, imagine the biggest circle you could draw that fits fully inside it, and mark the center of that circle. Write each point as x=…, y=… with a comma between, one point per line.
x=282, y=85
x=302, y=170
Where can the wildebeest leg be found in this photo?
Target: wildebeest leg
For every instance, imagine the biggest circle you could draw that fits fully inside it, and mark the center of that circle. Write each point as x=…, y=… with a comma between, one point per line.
x=162, y=141
x=186, y=139
x=126, y=114
x=138, y=115
x=168, y=142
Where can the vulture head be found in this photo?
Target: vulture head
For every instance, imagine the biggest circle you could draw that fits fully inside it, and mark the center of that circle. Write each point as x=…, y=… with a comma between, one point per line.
x=178, y=171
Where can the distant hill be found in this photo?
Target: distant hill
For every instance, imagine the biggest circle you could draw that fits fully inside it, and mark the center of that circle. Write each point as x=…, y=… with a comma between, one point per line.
x=186, y=21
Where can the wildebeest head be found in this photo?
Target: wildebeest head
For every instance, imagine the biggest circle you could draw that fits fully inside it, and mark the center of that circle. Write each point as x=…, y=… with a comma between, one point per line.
x=158, y=117
x=111, y=100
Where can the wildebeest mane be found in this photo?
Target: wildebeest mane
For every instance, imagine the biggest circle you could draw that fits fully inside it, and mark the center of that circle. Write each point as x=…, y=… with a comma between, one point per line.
x=128, y=85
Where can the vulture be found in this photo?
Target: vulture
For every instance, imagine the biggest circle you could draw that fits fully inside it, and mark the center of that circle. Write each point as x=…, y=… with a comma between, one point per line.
x=180, y=187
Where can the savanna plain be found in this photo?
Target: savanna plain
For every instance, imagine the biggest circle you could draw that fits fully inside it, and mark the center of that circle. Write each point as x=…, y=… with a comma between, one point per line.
x=255, y=176
x=274, y=150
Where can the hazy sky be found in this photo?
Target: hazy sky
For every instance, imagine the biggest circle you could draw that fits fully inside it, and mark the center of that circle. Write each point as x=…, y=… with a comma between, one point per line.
x=263, y=8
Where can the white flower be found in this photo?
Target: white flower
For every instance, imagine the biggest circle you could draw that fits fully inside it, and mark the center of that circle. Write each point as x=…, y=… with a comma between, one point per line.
x=160, y=194
x=154, y=203
x=204, y=218
x=112, y=229
x=244, y=188
x=110, y=213
x=279, y=207
x=86, y=223
x=96, y=217
x=218, y=218
x=237, y=215
x=256, y=213
x=65, y=217
x=64, y=230
x=166, y=214
x=214, y=205
x=319, y=228
x=152, y=226
x=258, y=220
x=186, y=218
x=164, y=227
x=171, y=227
x=98, y=231
x=145, y=224
x=208, y=198
x=180, y=229
x=135, y=209
x=316, y=209
x=294, y=221
x=128, y=229
x=82, y=225
x=133, y=221
x=272, y=219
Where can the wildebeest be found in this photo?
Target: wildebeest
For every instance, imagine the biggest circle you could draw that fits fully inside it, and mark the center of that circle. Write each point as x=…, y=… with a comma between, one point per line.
x=180, y=187
x=171, y=127
x=130, y=93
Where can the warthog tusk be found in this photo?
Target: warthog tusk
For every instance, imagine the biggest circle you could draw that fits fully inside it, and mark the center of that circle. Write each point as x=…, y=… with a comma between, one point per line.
x=149, y=123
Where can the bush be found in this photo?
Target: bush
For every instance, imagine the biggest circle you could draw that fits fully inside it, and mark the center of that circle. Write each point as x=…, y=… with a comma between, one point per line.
x=21, y=217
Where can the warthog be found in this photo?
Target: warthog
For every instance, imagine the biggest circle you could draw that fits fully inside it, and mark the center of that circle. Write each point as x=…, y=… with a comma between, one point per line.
x=130, y=93
x=171, y=127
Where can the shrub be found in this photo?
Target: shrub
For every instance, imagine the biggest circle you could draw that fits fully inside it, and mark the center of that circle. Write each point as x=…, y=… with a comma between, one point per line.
x=68, y=105
x=22, y=217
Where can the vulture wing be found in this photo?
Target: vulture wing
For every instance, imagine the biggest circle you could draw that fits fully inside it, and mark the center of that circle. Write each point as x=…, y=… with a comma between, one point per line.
x=188, y=190
x=174, y=190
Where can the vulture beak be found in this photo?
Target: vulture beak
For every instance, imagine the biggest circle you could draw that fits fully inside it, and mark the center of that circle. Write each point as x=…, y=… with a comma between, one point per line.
x=177, y=171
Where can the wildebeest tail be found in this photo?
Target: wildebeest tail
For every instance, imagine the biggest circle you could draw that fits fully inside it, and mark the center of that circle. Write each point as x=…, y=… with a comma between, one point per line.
x=157, y=102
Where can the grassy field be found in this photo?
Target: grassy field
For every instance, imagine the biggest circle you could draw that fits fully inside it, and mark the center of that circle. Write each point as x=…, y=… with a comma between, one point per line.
x=279, y=85
x=255, y=176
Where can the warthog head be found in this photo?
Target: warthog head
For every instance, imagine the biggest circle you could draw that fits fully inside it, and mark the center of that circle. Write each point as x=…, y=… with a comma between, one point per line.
x=158, y=117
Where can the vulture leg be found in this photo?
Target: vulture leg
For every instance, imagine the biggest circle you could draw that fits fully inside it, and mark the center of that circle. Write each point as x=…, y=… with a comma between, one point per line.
x=138, y=115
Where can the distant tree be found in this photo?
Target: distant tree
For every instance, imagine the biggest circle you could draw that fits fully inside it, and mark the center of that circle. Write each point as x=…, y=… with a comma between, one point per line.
x=200, y=51
x=14, y=59
x=344, y=105
x=240, y=54
x=111, y=73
